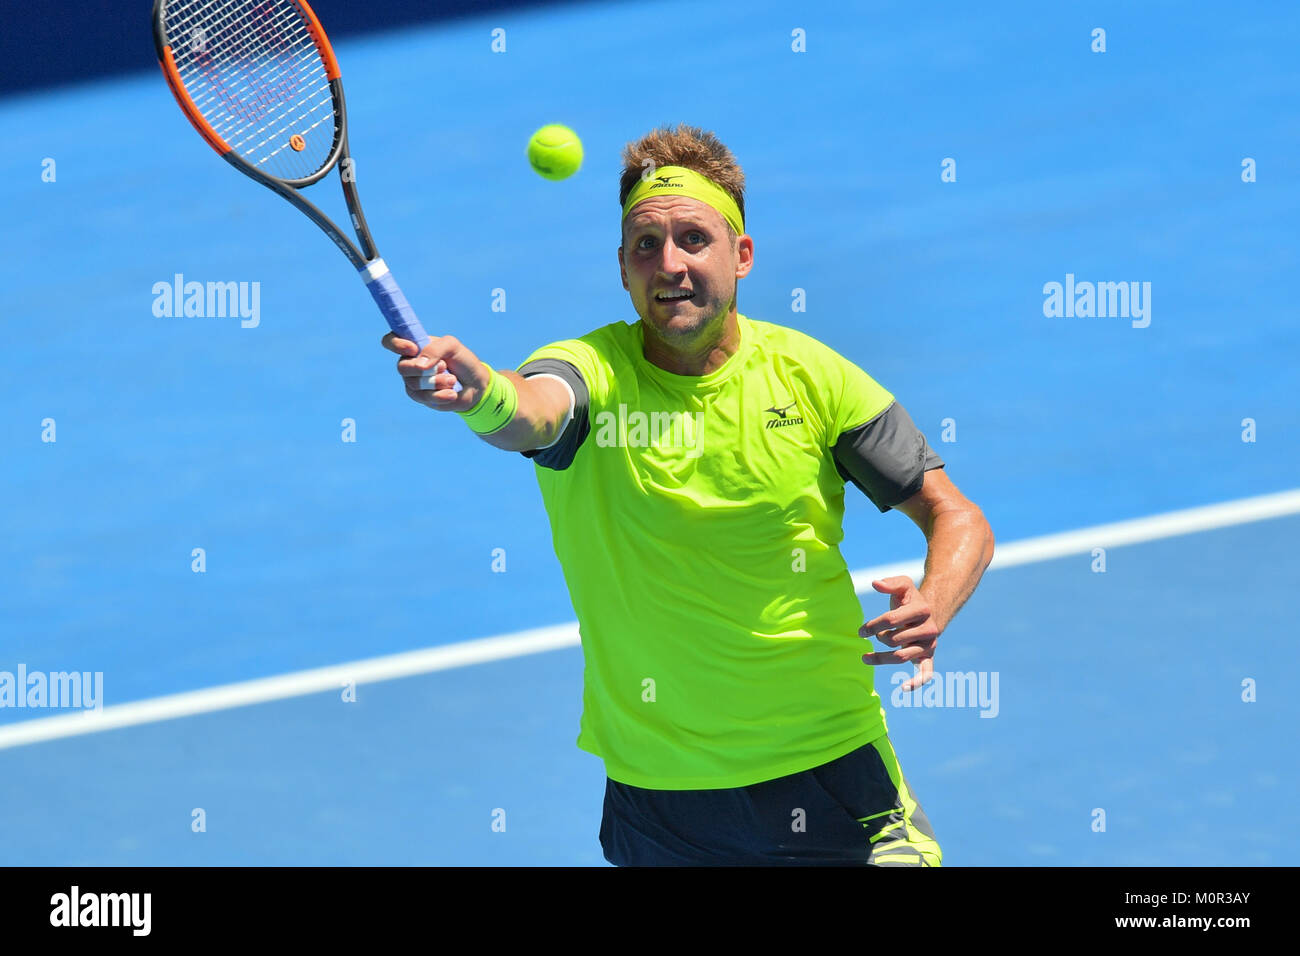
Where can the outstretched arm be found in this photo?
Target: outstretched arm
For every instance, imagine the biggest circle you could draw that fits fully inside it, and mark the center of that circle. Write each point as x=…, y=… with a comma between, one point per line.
x=543, y=402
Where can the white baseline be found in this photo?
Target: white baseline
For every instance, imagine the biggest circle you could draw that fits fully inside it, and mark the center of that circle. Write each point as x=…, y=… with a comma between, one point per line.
x=538, y=640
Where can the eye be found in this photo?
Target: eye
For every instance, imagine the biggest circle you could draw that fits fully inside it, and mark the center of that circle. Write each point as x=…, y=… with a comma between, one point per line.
x=644, y=239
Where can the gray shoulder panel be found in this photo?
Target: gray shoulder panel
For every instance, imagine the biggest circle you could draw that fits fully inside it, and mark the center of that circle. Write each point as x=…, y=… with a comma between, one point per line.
x=887, y=458
x=559, y=456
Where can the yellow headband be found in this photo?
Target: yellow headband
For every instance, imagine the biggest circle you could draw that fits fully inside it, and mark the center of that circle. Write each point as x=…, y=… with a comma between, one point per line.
x=679, y=181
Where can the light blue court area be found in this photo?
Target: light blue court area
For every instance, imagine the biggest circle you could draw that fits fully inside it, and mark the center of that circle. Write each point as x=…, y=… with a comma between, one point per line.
x=1118, y=691
x=1100, y=702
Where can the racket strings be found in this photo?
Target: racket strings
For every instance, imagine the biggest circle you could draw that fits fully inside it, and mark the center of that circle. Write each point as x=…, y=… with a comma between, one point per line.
x=268, y=101
x=275, y=41
x=254, y=73
x=246, y=101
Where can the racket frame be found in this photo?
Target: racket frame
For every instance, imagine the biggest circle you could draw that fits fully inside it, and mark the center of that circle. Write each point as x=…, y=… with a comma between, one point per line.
x=365, y=256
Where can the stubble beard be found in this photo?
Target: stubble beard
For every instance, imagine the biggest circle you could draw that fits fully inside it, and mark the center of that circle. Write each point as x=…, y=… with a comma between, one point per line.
x=686, y=336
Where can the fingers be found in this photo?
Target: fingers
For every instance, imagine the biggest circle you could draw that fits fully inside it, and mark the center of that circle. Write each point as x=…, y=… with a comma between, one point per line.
x=420, y=365
x=924, y=674
x=917, y=651
x=436, y=390
x=908, y=615
x=445, y=353
x=442, y=397
x=908, y=626
x=443, y=380
x=424, y=378
x=921, y=655
x=400, y=346
x=894, y=585
x=923, y=633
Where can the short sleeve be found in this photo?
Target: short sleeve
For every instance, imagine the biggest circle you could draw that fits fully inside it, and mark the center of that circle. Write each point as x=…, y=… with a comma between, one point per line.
x=860, y=398
x=573, y=363
x=585, y=361
x=886, y=457
x=559, y=454
x=874, y=442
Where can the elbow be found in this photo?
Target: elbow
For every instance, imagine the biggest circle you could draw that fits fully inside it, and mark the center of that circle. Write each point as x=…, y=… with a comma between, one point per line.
x=977, y=519
x=989, y=542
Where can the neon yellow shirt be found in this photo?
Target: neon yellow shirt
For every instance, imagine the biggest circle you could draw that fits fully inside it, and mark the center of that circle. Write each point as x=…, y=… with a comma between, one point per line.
x=698, y=527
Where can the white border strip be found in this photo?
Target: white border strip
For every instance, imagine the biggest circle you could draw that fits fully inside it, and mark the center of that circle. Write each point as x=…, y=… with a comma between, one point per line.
x=538, y=640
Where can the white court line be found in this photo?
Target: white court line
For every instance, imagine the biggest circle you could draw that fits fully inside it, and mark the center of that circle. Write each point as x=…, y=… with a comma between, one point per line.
x=536, y=641
x=1168, y=525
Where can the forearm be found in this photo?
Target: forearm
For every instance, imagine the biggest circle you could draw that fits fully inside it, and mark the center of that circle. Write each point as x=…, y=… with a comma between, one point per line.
x=532, y=425
x=960, y=547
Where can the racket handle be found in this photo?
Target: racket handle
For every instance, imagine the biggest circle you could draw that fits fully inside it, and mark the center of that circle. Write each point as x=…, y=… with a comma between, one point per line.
x=392, y=303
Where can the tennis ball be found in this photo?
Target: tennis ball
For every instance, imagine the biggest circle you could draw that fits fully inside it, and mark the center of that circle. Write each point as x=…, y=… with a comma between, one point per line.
x=555, y=152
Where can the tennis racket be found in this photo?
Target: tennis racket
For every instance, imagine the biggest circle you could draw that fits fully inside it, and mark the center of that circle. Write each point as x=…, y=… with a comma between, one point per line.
x=259, y=81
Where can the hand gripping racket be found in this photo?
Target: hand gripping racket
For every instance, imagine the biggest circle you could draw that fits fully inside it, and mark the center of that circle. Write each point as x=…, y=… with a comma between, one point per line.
x=259, y=81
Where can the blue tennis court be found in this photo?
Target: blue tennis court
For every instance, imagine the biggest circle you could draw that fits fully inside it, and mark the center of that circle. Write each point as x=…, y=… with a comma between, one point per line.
x=277, y=442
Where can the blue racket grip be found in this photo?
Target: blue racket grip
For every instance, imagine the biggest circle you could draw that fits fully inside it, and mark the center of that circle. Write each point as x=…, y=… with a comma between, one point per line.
x=392, y=303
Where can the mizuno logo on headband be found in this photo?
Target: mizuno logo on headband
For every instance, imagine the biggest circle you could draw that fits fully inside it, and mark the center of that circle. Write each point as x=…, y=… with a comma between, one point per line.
x=692, y=185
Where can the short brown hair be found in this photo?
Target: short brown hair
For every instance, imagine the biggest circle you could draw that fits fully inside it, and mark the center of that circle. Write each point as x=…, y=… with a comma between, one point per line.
x=687, y=146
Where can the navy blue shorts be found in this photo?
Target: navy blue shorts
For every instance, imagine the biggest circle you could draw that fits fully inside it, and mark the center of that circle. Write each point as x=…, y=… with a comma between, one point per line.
x=857, y=810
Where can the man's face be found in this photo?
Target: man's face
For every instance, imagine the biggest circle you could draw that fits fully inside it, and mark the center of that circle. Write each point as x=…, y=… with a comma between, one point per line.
x=674, y=245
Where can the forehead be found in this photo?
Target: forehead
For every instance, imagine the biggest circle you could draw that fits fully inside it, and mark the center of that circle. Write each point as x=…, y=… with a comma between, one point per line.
x=666, y=210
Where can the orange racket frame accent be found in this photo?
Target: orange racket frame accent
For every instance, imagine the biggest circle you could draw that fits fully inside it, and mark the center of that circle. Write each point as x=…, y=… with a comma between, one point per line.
x=322, y=41
x=173, y=77
x=187, y=106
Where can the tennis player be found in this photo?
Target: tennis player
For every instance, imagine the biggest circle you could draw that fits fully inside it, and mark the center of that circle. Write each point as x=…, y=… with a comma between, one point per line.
x=693, y=467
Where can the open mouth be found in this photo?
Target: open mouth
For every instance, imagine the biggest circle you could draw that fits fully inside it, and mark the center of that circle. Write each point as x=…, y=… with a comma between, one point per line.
x=674, y=296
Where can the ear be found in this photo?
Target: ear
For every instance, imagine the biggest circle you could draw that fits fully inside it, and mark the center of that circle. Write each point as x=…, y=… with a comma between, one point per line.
x=622, y=269
x=744, y=256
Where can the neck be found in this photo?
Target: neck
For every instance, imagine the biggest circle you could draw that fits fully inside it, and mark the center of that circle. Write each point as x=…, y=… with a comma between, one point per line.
x=700, y=356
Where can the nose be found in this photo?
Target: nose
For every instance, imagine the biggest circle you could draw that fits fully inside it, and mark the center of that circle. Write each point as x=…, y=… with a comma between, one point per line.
x=673, y=260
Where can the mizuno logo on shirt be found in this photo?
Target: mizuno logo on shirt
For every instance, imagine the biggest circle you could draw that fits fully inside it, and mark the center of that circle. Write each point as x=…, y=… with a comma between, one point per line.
x=783, y=417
